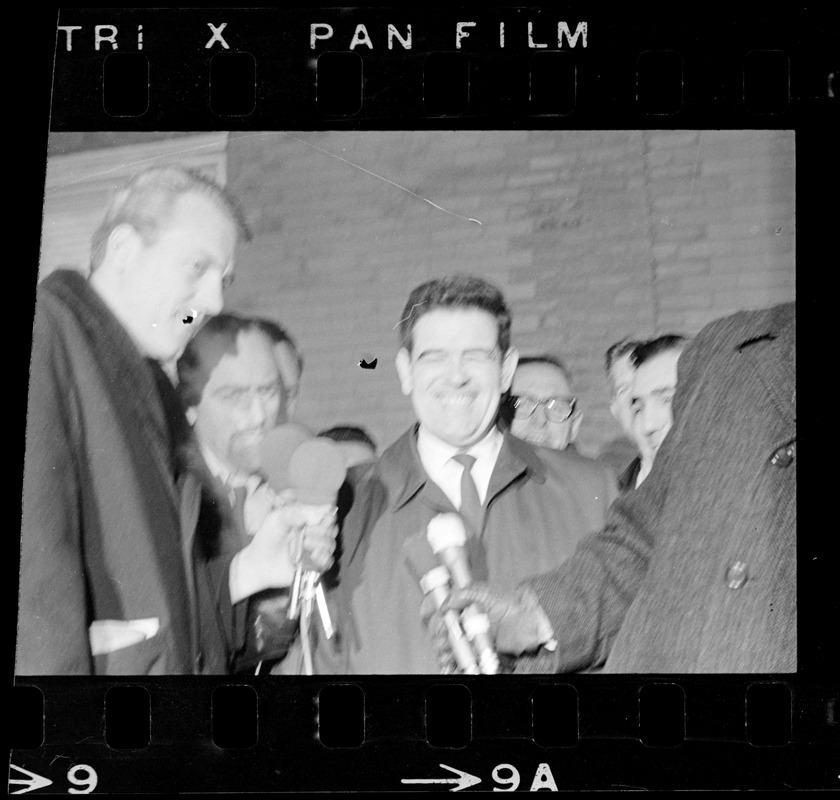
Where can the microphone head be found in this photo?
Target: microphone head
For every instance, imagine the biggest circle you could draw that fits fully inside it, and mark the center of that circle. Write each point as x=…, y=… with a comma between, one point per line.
x=317, y=470
x=276, y=452
x=446, y=530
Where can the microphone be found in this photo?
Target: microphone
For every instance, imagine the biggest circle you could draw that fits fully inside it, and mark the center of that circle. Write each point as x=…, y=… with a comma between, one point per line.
x=276, y=451
x=314, y=467
x=434, y=581
x=447, y=537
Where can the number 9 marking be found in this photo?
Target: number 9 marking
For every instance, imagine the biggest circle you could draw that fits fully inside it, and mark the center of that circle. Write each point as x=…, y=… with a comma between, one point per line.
x=88, y=782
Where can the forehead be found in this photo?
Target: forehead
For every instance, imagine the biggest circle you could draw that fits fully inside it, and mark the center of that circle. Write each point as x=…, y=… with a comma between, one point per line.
x=622, y=369
x=540, y=380
x=456, y=328
x=251, y=364
x=194, y=214
x=659, y=372
x=287, y=362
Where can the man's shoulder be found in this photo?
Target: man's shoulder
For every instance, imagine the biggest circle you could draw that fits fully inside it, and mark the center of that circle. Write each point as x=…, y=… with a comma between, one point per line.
x=746, y=327
x=565, y=461
x=565, y=467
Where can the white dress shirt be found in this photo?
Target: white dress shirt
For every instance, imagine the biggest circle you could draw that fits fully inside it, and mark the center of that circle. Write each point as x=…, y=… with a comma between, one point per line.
x=436, y=458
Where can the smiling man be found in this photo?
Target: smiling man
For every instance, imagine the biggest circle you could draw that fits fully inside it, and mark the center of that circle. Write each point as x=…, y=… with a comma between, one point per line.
x=113, y=580
x=652, y=393
x=523, y=508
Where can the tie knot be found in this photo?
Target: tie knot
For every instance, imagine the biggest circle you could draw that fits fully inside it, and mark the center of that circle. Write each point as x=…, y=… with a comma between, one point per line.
x=465, y=460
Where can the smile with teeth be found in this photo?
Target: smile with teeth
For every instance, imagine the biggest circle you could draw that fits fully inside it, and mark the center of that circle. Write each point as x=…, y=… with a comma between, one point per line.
x=459, y=400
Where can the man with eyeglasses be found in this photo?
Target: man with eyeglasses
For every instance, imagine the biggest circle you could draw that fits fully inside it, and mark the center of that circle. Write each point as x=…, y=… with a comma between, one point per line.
x=524, y=508
x=541, y=407
x=231, y=386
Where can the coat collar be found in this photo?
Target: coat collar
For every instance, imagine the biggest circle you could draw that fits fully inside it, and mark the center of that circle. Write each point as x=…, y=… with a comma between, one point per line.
x=770, y=338
x=403, y=475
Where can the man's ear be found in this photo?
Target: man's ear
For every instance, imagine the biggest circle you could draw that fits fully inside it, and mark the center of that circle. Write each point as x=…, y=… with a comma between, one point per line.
x=191, y=414
x=403, y=364
x=124, y=243
x=509, y=362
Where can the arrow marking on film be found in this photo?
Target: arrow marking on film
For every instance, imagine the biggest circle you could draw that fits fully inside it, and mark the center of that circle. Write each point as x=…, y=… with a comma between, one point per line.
x=30, y=783
x=464, y=779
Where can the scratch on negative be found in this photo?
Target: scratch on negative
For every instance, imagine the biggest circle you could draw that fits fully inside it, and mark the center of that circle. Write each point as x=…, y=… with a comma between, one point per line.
x=185, y=150
x=381, y=177
x=410, y=311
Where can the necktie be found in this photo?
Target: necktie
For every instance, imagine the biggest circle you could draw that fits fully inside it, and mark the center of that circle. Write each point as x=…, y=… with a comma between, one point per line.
x=473, y=515
x=470, y=509
x=239, y=493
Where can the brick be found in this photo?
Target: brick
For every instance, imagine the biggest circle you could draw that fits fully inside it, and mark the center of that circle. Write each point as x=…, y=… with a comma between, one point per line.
x=552, y=162
x=682, y=267
x=663, y=251
x=531, y=179
x=671, y=139
x=666, y=231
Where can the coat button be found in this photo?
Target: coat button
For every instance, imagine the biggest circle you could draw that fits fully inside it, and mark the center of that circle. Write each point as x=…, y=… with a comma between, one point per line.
x=736, y=575
x=783, y=457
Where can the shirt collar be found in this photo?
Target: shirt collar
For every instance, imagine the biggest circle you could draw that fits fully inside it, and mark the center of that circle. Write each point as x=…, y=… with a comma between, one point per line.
x=435, y=453
x=232, y=479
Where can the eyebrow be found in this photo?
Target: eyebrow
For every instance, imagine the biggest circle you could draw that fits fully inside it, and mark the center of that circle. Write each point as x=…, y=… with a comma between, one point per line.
x=658, y=392
x=244, y=387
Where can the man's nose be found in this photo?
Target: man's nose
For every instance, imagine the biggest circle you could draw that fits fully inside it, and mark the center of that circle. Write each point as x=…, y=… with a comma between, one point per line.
x=257, y=412
x=211, y=294
x=539, y=419
x=650, y=422
x=656, y=418
x=457, y=370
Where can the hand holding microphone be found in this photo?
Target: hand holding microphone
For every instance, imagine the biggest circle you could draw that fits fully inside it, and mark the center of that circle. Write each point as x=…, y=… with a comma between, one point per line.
x=308, y=472
x=447, y=537
x=434, y=581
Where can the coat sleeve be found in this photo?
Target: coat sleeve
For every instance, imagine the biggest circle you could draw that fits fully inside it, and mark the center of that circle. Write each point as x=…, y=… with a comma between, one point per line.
x=588, y=596
x=53, y=636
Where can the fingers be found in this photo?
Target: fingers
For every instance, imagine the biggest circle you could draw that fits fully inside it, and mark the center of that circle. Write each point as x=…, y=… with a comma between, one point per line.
x=439, y=634
x=319, y=546
x=487, y=599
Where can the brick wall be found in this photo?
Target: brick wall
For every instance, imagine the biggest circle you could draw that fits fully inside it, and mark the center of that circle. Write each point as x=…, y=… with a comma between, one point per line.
x=591, y=235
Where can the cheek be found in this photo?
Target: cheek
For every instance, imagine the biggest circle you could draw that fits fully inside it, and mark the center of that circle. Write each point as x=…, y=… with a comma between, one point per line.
x=273, y=410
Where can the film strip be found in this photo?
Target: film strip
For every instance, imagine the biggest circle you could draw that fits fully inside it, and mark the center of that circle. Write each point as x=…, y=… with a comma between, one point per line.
x=121, y=77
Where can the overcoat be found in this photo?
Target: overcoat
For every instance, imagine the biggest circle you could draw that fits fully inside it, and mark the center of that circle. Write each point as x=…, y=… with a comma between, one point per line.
x=695, y=570
x=107, y=536
x=540, y=502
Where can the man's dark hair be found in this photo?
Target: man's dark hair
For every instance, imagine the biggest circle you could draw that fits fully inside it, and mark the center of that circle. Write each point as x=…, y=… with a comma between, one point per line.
x=146, y=201
x=546, y=358
x=653, y=347
x=279, y=335
x=349, y=433
x=618, y=350
x=456, y=292
x=204, y=351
